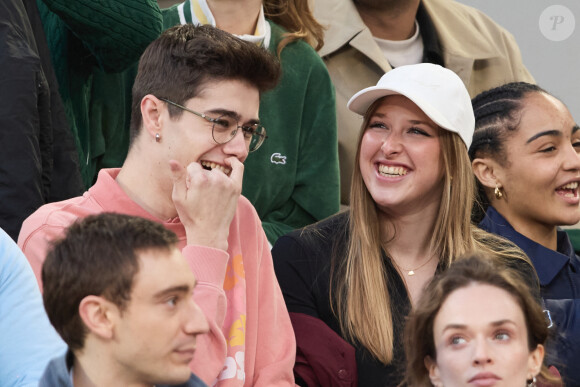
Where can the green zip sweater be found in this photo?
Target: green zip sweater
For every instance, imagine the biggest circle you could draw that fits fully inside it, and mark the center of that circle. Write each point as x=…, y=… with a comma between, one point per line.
x=293, y=179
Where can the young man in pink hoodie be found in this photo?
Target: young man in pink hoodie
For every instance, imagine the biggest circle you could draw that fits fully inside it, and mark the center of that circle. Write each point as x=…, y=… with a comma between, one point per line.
x=194, y=120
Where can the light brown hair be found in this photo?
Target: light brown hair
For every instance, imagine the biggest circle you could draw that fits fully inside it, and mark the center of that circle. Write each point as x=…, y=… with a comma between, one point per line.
x=295, y=16
x=358, y=291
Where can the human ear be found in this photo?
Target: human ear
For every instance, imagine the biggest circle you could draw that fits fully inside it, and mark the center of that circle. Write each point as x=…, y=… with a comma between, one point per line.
x=95, y=312
x=431, y=366
x=151, y=108
x=487, y=171
x=535, y=360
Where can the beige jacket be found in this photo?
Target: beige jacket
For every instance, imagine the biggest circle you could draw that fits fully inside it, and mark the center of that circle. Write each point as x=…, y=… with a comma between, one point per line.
x=482, y=53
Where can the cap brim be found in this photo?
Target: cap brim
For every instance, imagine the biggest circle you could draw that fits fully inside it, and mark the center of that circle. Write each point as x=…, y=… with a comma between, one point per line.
x=361, y=101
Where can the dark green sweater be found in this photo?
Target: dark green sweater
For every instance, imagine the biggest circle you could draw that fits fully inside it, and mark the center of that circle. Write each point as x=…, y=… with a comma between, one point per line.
x=91, y=43
x=292, y=180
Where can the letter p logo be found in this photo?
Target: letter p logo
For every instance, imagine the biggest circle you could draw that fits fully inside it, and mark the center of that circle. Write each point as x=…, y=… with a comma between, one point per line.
x=558, y=19
x=557, y=23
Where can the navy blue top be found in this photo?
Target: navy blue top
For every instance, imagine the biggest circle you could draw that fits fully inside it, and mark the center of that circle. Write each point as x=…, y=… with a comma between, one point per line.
x=559, y=274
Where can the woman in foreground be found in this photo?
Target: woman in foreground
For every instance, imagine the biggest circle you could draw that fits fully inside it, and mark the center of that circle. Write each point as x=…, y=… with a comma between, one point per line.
x=476, y=325
x=350, y=280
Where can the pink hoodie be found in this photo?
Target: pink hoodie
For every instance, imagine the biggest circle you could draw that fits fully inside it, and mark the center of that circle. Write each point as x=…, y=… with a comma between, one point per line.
x=251, y=341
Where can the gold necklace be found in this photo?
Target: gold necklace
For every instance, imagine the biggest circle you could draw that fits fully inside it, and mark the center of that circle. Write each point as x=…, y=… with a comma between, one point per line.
x=411, y=272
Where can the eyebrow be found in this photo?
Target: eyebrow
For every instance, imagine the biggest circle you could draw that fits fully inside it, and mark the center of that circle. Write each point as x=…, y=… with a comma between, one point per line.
x=252, y=122
x=502, y=322
x=575, y=128
x=428, y=124
x=414, y=122
x=553, y=132
x=454, y=326
x=225, y=112
x=234, y=115
x=463, y=326
x=174, y=289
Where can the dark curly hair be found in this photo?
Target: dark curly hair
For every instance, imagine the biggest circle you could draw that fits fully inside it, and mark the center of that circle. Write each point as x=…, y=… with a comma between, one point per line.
x=497, y=116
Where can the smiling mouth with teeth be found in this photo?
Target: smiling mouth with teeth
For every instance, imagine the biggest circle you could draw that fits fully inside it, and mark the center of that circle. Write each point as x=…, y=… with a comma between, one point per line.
x=210, y=166
x=569, y=190
x=392, y=171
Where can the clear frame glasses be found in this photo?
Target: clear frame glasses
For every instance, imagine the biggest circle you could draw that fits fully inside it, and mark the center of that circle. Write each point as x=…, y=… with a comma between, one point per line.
x=224, y=128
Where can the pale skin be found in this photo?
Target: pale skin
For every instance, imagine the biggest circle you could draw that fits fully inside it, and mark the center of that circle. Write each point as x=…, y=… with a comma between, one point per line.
x=390, y=20
x=191, y=188
x=117, y=350
x=481, y=339
x=410, y=249
x=237, y=17
x=400, y=135
x=166, y=177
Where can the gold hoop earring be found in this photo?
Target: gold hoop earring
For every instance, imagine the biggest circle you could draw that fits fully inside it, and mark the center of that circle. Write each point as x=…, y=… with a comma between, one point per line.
x=157, y=137
x=497, y=192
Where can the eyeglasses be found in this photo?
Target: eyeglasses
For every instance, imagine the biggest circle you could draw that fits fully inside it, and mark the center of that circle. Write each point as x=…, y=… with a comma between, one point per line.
x=224, y=128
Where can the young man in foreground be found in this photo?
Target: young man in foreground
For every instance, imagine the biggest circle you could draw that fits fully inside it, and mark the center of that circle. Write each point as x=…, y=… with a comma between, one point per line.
x=119, y=292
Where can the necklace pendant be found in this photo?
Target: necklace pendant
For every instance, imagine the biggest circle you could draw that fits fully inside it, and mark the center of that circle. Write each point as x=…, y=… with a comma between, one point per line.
x=411, y=272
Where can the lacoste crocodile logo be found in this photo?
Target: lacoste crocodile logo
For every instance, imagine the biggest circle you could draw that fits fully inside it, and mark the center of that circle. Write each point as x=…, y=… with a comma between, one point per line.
x=277, y=158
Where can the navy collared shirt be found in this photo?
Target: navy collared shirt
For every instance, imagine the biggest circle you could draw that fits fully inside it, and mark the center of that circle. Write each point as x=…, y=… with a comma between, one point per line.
x=559, y=274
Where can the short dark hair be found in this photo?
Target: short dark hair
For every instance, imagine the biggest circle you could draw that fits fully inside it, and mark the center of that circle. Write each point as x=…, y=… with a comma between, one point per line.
x=186, y=57
x=497, y=116
x=473, y=268
x=97, y=256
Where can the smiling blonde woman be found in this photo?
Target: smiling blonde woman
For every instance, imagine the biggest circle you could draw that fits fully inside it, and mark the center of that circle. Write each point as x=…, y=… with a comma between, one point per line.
x=353, y=277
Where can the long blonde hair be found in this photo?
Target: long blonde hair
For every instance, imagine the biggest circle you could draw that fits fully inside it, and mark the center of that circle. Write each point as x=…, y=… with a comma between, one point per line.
x=358, y=288
x=296, y=17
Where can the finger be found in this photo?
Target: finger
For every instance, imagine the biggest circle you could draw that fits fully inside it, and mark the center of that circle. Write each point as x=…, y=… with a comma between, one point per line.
x=194, y=168
x=237, y=167
x=196, y=174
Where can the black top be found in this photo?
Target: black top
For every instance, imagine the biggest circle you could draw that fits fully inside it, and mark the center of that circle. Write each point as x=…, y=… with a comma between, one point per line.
x=39, y=160
x=302, y=263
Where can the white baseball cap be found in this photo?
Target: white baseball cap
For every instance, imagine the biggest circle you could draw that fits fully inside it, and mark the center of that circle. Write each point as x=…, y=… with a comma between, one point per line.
x=437, y=91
